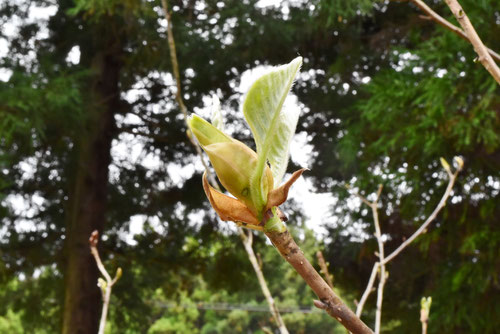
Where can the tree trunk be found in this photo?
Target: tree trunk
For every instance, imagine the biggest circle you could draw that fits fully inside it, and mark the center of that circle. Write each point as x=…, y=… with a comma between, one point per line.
x=88, y=195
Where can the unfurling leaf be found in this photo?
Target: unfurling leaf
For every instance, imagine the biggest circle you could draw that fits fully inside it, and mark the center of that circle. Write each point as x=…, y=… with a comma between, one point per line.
x=271, y=126
x=217, y=120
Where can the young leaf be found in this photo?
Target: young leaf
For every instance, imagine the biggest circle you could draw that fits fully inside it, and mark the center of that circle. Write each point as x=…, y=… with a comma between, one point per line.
x=271, y=126
x=217, y=119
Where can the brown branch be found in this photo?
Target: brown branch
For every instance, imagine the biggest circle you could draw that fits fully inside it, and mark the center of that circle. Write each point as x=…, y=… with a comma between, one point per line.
x=324, y=268
x=329, y=301
x=109, y=282
x=446, y=24
x=484, y=56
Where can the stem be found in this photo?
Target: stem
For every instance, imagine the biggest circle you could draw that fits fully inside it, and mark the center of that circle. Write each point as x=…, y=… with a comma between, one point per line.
x=384, y=260
x=329, y=301
x=106, y=295
x=484, y=56
x=247, y=242
x=178, y=95
x=368, y=290
x=424, y=327
x=382, y=275
x=445, y=23
x=429, y=220
x=105, y=307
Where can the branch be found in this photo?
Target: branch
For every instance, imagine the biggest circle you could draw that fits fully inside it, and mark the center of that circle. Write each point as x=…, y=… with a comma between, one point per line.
x=429, y=220
x=247, y=242
x=368, y=290
x=324, y=268
x=178, y=95
x=104, y=285
x=484, y=56
x=329, y=301
x=445, y=23
x=380, y=265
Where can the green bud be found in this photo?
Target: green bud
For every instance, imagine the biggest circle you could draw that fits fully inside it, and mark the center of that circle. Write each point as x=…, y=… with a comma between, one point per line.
x=233, y=161
x=205, y=132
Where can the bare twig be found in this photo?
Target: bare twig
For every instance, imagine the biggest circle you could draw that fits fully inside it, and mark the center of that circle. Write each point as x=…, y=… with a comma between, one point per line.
x=178, y=95
x=484, y=56
x=328, y=300
x=368, y=290
x=425, y=307
x=104, y=285
x=445, y=23
x=429, y=220
x=379, y=267
x=247, y=240
x=324, y=268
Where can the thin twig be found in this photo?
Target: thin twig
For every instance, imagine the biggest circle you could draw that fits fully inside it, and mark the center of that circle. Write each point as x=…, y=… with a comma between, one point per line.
x=324, y=268
x=484, y=56
x=104, y=286
x=368, y=290
x=178, y=95
x=328, y=300
x=429, y=220
x=445, y=23
x=247, y=240
x=379, y=267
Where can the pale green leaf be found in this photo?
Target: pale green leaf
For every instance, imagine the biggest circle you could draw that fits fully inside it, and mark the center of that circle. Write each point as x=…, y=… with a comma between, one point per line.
x=217, y=120
x=271, y=126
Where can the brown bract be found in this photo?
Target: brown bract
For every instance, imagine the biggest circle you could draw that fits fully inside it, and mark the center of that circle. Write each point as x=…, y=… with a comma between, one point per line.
x=232, y=209
x=279, y=195
x=228, y=208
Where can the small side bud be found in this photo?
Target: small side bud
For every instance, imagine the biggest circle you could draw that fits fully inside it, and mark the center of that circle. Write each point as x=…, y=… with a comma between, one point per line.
x=118, y=274
x=101, y=283
x=445, y=165
x=459, y=161
x=94, y=239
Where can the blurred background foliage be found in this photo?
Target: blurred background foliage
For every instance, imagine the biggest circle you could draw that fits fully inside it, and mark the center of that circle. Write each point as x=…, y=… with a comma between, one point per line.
x=384, y=93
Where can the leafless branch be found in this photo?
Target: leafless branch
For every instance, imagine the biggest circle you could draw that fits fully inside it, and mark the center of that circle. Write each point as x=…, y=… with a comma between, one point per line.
x=380, y=266
x=484, y=56
x=368, y=290
x=247, y=239
x=328, y=299
x=178, y=95
x=104, y=285
x=444, y=23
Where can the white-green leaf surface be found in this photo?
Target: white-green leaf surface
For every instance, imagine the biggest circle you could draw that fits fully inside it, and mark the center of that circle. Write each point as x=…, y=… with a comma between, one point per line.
x=217, y=120
x=272, y=126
